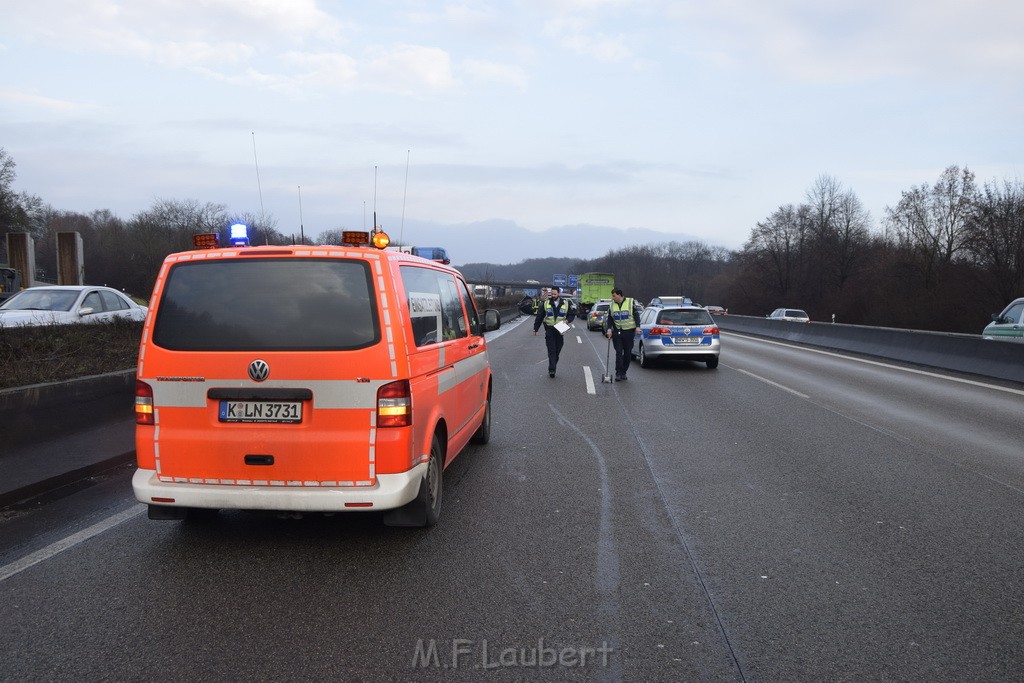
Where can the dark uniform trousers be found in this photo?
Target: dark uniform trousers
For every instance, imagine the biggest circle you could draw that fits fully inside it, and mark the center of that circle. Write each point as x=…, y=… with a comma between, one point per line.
x=554, y=341
x=622, y=340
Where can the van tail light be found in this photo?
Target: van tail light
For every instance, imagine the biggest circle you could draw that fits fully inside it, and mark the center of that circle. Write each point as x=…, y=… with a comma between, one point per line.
x=660, y=331
x=143, y=403
x=394, y=404
x=711, y=330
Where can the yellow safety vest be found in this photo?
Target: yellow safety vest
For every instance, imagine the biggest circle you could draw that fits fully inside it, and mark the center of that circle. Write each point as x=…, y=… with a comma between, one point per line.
x=551, y=316
x=622, y=314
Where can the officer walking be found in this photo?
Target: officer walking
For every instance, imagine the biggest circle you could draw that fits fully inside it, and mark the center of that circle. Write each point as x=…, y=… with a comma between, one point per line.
x=538, y=303
x=620, y=325
x=555, y=310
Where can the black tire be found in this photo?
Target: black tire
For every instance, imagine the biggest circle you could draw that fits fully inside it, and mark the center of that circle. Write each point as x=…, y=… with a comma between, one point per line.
x=483, y=434
x=433, y=483
x=712, y=363
x=425, y=509
x=645, y=362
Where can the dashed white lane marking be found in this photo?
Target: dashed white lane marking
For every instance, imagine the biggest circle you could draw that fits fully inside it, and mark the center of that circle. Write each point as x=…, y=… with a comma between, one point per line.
x=589, y=379
x=774, y=384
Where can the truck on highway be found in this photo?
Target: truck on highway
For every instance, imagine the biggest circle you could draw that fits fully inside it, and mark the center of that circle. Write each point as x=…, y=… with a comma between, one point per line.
x=593, y=287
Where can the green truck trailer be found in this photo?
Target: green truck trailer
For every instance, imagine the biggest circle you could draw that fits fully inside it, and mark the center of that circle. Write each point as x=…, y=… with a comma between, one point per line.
x=593, y=287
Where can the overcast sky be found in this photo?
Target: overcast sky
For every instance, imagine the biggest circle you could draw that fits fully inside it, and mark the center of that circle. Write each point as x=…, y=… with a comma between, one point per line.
x=685, y=117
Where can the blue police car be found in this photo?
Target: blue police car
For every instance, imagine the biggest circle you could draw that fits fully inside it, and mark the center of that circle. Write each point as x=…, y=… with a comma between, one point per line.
x=677, y=332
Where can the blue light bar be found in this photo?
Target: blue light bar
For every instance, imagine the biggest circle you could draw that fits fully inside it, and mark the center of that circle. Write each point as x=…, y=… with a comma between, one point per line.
x=239, y=235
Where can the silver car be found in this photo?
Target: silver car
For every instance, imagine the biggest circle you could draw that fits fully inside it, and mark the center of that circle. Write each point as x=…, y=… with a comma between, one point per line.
x=595, y=319
x=65, y=304
x=791, y=314
x=679, y=332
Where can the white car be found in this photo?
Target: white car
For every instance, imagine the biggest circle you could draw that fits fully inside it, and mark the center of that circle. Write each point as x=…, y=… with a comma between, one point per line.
x=791, y=314
x=66, y=304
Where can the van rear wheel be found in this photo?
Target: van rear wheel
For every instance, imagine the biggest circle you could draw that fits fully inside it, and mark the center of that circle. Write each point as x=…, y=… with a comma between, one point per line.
x=433, y=483
x=483, y=434
x=425, y=509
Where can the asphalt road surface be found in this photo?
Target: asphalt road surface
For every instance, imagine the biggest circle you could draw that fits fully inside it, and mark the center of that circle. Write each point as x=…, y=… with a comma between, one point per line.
x=791, y=515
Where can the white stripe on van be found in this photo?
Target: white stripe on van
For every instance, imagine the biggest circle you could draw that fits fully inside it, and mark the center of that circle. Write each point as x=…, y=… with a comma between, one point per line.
x=327, y=394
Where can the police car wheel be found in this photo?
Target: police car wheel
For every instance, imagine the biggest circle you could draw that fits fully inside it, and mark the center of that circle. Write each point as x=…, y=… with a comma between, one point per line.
x=483, y=434
x=712, y=363
x=645, y=362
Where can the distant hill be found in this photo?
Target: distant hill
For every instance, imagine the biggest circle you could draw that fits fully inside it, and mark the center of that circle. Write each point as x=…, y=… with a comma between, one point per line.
x=531, y=269
x=505, y=242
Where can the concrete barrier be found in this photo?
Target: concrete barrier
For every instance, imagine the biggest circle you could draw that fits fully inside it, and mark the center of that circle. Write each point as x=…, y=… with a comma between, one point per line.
x=967, y=353
x=44, y=411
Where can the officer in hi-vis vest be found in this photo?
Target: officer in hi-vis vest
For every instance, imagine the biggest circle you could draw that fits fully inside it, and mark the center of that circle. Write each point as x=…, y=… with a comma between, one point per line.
x=621, y=324
x=555, y=310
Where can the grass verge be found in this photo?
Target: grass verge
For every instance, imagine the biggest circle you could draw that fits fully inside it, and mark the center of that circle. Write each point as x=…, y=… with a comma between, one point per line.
x=57, y=353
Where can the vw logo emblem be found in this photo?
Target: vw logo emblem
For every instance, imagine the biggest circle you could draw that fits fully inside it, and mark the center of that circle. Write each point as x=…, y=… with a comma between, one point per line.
x=259, y=370
x=686, y=331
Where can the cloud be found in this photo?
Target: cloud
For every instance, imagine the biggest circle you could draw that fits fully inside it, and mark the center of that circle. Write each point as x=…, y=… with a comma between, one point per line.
x=331, y=70
x=600, y=46
x=19, y=97
x=409, y=68
x=857, y=40
x=491, y=72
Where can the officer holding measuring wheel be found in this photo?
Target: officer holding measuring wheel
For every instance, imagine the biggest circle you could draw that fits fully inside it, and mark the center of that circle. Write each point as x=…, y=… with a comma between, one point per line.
x=620, y=325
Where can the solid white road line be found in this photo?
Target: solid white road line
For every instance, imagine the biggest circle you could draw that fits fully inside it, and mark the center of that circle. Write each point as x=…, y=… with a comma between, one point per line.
x=71, y=541
x=960, y=380
x=589, y=379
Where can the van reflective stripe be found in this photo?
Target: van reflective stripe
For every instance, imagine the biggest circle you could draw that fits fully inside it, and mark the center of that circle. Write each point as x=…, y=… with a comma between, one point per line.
x=469, y=368
x=327, y=394
x=385, y=308
x=462, y=371
x=447, y=380
x=264, y=483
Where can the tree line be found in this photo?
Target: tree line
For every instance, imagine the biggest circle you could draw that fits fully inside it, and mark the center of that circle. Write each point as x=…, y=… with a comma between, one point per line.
x=944, y=257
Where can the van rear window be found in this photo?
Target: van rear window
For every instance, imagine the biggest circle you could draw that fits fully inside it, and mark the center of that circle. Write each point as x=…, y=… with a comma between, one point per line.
x=263, y=304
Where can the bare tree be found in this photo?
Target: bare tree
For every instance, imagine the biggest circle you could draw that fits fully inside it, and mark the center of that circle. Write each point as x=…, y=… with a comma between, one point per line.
x=775, y=251
x=932, y=222
x=330, y=237
x=839, y=229
x=996, y=238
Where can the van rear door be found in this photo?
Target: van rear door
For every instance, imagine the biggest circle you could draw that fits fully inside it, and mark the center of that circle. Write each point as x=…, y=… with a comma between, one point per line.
x=267, y=371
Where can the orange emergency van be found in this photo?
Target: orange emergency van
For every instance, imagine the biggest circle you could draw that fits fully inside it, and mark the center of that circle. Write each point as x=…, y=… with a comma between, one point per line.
x=339, y=378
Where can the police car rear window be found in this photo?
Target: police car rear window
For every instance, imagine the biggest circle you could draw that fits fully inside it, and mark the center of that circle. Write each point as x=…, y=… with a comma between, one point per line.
x=682, y=317
x=250, y=304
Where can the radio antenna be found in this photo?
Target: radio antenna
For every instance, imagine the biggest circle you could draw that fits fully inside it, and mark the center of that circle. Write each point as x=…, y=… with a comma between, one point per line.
x=259, y=187
x=375, y=198
x=302, y=234
x=405, y=193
